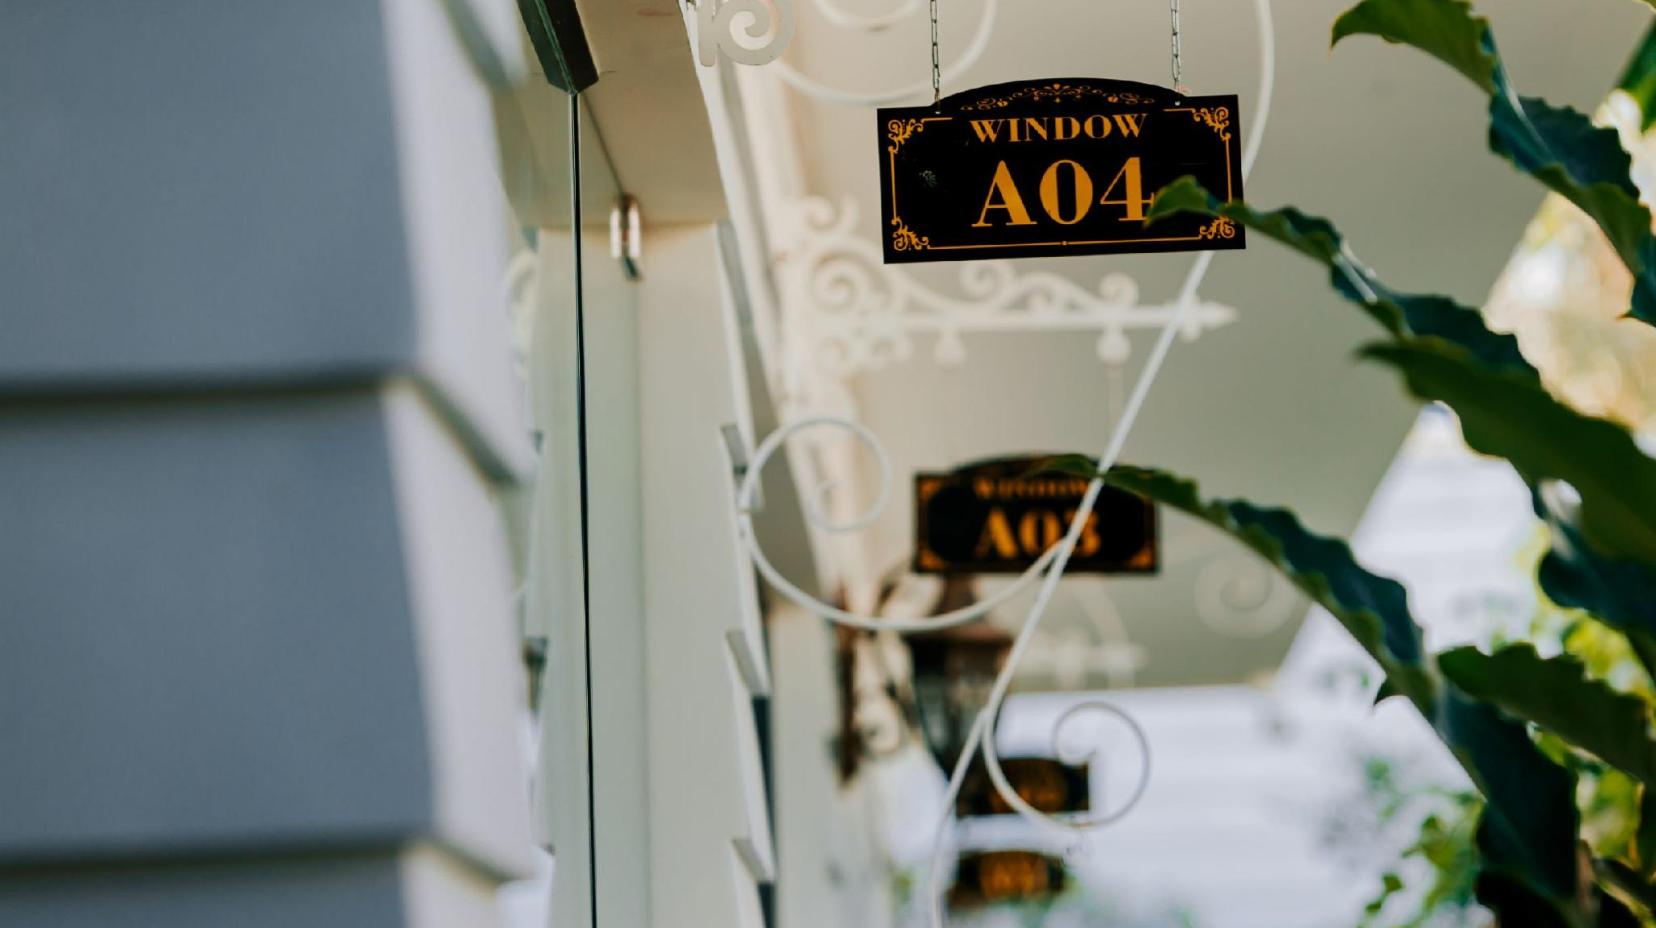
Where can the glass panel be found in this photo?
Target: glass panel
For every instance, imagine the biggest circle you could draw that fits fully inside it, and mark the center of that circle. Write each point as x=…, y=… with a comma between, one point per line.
x=575, y=328
x=609, y=378
x=538, y=147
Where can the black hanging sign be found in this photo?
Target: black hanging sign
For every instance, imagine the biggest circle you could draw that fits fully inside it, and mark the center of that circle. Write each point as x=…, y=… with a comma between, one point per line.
x=987, y=877
x=1050, y=786
x=1053, y=167
x=999, y=516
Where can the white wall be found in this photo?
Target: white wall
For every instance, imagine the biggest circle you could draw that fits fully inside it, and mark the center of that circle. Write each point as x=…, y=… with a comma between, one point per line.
x=701, y=765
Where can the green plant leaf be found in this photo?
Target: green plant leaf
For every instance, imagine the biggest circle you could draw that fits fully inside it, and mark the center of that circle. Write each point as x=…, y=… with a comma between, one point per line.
x=1390, y=885
x=1586, y=165
x=1557, y=694
x=1445, y=29
x=1421, y=315
x=1385, y=691
x=1583, y=163
x=1512, y=903
x=1312, y=236
x=1613, y=913
x=1638, y=78
x=1558, y=146
x=1530, y=820
x=1621, y=594
x=1644, y=284
x=1511, y=416
x=1629, y=882
x=1537, y=135
x=1372, y=608
x=1644, y=840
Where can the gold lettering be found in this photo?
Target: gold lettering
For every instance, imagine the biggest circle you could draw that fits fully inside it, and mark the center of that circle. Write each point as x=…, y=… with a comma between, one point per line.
x=996, y=537
x=1059, y=128
x=1027, y=488
x=987, y=129
x=1089, y=542
x=1009, y=200
x=1012, y=875
x=1133, y=198
x=1038, y=530
x=1083, y=192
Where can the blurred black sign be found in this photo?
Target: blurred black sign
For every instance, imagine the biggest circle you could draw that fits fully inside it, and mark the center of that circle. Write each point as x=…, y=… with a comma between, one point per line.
x=1049, y=785
x=997, y=517
x=1005, y=876
x=1053, y=167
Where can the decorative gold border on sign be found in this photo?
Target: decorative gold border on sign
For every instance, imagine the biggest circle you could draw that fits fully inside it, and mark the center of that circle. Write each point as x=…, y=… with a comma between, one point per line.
x=1218, y=228
x=904, y=239
x=1054, y=93
x=925, y=487
x=1216, y=118
x=899, y=131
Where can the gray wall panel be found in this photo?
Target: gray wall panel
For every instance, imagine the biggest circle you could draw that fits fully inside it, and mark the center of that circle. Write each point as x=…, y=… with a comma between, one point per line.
x=205, y=627
x=316, y=893
x=198, y=189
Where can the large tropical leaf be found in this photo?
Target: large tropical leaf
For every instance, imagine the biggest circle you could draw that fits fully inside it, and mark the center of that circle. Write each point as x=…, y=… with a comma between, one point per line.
x=1372, y=608
x=1644, y=840
x=1528, y=831
x=1585, y=164
x=1511, y=416
x=1614, y=914
x=1530, y=821
x=1513, y=903
x=1557, y=694
x=1558, y=146
x=1422, y=315
x=1638, y=78
x=1445, y=29
x=1622, y=594
x=1542, y=136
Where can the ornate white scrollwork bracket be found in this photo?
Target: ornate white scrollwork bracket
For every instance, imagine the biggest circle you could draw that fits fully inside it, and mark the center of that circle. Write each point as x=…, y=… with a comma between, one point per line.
x=1047, y=569
x=833, y=13
x=852, y=277
x=767, y=26
x=864, y=314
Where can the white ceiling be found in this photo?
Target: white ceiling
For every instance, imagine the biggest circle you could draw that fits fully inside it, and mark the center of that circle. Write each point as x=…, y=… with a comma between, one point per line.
x=1385, y=141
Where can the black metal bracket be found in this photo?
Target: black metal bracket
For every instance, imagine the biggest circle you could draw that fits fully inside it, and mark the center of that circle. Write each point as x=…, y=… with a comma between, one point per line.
x=560, y=43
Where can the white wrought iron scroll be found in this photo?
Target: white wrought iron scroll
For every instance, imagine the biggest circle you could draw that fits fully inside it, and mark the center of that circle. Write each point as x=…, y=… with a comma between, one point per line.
x=1049, y=569
x=863, y=315
x=767, y=27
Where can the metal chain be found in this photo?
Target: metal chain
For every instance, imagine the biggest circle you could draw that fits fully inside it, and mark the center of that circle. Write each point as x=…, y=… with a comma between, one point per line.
x=1178, y=66
x=937, y=72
